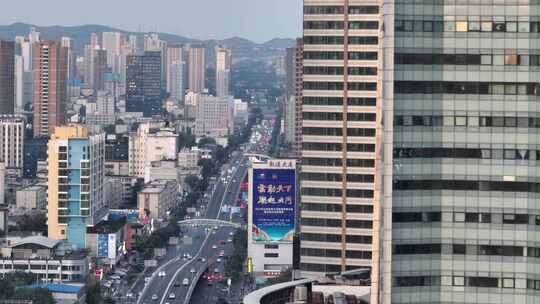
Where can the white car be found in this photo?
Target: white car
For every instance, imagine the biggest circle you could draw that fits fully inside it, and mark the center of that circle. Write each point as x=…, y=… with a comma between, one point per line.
x=214, y=246
x=172, y=296
x=229, y=240
x=154, y=297
x=231, y=233
x=161, y=274
x=185, y=282
x=219, y=260
x=192, y=270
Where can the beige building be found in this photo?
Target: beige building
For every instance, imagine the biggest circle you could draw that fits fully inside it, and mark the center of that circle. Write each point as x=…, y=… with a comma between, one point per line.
x=188, y=158
x=341, y=123
x=148, y=145
x=158, y=197
x=223, y=71
x=214, y=117
x=31, y=198
x=196, y=69
x=11, y=141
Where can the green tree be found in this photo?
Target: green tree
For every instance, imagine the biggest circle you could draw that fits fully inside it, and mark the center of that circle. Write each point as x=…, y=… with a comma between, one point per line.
x=206, y=141
x=93, y=293
x=36, y=295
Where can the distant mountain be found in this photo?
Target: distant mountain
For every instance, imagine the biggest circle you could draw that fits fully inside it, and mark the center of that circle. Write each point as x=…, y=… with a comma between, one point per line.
x=242, y=48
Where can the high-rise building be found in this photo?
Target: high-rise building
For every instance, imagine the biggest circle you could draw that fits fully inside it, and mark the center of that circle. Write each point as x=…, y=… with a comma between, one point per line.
x=19, y=84
x=214, y=116
x=223, y=71
x=439, y=201
x=293, y=96
x=196, y=69
x=99, y=69
x=7, y=77
x=11, y=142
x=50, y=87
x=112, y=42
x=175, y=72
x=76, y=166
x=143, y=83
x=339, y=215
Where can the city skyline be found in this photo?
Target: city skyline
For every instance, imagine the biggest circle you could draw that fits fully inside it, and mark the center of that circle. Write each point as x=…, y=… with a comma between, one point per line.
x=275, y=19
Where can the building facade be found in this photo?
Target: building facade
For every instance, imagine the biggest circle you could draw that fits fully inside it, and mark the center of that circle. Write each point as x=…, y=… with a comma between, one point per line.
x=158, y=197
x=7, y=77
x=340, y=137
x=293, y=96
x=223, y=71
x=143, y=83
x=12, y=131
x=50, y=87
x=76, y=170
x=175, y=72
x=196, y=69
x=214, y=116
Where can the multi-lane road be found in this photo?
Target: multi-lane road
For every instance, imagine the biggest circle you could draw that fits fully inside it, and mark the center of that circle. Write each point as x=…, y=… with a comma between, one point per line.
x=204, y=249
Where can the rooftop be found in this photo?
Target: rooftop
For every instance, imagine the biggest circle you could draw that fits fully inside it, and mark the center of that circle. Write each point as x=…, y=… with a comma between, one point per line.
x=38, y=240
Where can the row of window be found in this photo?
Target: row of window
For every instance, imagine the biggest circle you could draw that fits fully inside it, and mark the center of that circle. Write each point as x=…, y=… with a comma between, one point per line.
x=338, y=101
x=334, y=177
x=336, y=162
x=511, y=154
x=467, y=249
x=339, y=86
x=340, y=10
x=330, y=70
x=352, y=193
x=468, y=59
x=339, y=116
x=339, y=25
x=467, y=185
x=335, y=253
x=320, y=222
x=321, y=146
x=468, y=217
x=470, y=281
x=499, y=26
x=353, y=132
x=336, y=238
x=333, y=55
x=468, y=121
x=339, y=40
x=337, y=208
x=456, y=87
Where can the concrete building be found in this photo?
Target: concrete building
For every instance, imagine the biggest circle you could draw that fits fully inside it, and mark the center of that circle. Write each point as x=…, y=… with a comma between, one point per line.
x=175, y=72
x=148, y=145
x=188, y=158
x=12, y=131
x=157, y=198
x=143, y=83
x=103, y=111
x=223, y=71
x=48, y=259
x=112, y=42
x=50, y=87
x=293, y=96
x=340, y=221
x=2, y=185
x=7, y=77
x=75, y=182
x=214, y=117
x=99, y=69
x=32, y=198
x=196, y=69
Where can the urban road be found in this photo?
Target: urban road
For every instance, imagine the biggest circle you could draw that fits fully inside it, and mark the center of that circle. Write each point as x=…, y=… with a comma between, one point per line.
x=207, y=244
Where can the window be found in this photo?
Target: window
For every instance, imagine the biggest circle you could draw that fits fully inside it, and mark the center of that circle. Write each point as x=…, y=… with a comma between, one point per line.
x=271, y=255
x=461, y=26
x=449, y=26
x=461, y=121
x=458, y=281
x=485, y=59
x=511, y=27
x=511, y=59
x=508, y=283
x=271, y=246
x=486, y=26
x=474, y=26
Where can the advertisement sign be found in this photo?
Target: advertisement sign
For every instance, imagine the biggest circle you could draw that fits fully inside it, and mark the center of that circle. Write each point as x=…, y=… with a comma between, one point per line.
x=274, y=199
x=103, y=245
x=112, y=246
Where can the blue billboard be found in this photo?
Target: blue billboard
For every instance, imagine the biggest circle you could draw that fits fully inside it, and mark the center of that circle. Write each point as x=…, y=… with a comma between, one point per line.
x=103, y=245
x=274, y=201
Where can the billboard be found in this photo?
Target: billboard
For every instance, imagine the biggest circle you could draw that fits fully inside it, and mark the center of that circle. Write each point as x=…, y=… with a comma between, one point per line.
x=274, y=200
x=103, y=245
x=112, y=246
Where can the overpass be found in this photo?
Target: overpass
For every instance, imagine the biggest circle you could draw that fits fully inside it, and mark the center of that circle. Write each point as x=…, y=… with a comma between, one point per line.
x=210, y=223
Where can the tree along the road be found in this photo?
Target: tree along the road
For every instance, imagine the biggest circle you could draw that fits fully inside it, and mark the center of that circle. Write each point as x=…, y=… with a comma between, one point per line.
x=12, y=287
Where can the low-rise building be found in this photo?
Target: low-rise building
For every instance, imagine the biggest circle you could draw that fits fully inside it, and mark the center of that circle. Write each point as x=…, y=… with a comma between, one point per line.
x=158, y=197
x=32, y=198
x=188, y=159
x=50, y=260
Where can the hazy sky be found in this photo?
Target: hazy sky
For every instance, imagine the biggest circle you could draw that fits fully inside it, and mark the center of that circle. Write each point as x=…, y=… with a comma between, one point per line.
x=259, y=20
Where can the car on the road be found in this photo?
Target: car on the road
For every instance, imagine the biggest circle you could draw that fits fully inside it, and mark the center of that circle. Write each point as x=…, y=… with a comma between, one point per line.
x=185, y=282
x=219, y=260
x=221, y=253
x=214, y=246
x=222, y=242
x=161, y=274
x=172, y=296
x=192, y=270
x=229, y=240
x=154, y=297
x=129, y=295
x=216, y=270
x=231, y=233
x=177, y=284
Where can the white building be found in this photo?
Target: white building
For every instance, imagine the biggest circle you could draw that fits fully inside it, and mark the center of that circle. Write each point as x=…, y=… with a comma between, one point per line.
x=11, y=141
x=148, y=145
x=112, y=43
x=223, y=71
x=102, y=112
x=214, y=117
x=188, y=159
x=197, y=69
x=158, y=197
